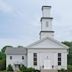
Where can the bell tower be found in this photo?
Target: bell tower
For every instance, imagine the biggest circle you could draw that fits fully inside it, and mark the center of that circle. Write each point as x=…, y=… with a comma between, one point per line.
x=46, y=23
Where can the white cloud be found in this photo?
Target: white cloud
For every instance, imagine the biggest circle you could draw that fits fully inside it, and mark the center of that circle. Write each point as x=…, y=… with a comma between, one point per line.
x=5, y=7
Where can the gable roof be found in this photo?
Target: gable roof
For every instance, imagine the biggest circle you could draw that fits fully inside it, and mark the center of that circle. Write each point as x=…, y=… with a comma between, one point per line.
x=47, y=43
x=16, y=51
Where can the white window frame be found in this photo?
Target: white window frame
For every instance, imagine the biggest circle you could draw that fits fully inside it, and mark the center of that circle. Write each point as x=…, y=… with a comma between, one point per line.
x=35, y=59
x=59, y=57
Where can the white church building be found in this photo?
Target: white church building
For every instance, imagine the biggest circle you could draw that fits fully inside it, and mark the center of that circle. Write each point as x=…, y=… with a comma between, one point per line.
x=45, y=53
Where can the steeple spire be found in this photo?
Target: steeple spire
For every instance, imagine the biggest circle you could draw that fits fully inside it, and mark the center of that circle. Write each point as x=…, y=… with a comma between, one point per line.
x=46, y=23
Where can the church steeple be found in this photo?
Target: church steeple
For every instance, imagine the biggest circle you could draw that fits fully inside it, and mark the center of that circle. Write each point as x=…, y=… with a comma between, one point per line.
x=46, y=23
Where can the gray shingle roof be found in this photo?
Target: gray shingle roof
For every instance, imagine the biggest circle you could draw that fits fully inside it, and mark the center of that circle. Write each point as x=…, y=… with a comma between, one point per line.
x=16, y=50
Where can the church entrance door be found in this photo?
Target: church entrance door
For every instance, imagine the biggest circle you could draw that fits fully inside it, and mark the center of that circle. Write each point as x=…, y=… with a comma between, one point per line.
x=47, y=64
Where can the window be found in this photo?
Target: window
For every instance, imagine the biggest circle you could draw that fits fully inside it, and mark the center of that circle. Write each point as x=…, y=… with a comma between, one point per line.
x=22, y=57
x=59, y=59
x=46, y=24
x=10, y=57
x=35, y=59
x=59, y=54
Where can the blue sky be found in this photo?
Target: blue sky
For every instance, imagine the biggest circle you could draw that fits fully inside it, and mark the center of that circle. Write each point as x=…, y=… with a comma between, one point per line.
x=20, y=20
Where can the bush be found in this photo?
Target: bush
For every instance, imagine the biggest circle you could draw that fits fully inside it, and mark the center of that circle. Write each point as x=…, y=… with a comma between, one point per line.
x=9, y=68
x=69, y=68
x=25, y=69
x=62, y=70
x=22, y=68
x=37, y=70
x=30, y=69
x=2, y=65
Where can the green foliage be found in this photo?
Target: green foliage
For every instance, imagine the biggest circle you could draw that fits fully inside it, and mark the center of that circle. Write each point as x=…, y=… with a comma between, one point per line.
x=25, y=69
x=69, y=68
x=30, y=69
x=2, y=56
x=22, y=68
x=2, y=65
x=37, y=71
x=63, y=70
x=68, y=44
x=69, y=57
x=9, y=68
x=2, y=61
x=4, y=48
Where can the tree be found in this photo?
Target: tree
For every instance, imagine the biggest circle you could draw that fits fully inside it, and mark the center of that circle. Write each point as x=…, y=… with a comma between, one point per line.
x=69, y=57
x=3, y=58
x=2, y=61
x=10, y=68
x=22, y=68
x=69, y=68
x=2, y=65
x=4, y=48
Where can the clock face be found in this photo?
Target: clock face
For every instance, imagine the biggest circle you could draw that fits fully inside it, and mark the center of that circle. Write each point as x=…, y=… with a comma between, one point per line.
x=47, y=24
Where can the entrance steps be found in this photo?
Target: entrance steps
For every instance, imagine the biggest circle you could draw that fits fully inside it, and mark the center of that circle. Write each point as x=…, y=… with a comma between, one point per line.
x=49, y=70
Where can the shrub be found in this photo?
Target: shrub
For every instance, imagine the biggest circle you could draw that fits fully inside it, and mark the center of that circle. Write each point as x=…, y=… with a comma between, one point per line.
x=62, y=70
x=22, y=68
x=30, y=69
x=9, y=68
x=37, y=70
x=25, y=69
x=2, y=65
x=69, y=68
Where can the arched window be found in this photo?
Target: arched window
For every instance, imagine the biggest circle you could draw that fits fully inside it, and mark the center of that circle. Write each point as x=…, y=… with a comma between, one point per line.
x=47, y=24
